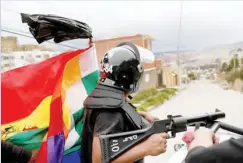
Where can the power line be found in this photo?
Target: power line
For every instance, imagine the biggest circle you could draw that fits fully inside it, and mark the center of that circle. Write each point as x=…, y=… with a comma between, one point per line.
x=20, y=31
x=24, y=35
x=10, y=10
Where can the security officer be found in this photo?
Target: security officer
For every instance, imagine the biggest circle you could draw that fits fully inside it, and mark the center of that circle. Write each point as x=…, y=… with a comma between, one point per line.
x=107, y=110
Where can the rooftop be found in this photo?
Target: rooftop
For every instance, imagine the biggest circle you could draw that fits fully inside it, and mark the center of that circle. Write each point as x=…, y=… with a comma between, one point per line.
x=124, y=37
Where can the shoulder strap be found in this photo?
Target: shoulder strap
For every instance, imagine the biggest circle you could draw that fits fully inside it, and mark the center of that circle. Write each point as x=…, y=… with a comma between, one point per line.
x=132, y=114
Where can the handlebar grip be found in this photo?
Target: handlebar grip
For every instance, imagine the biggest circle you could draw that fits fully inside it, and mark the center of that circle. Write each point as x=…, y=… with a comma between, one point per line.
x=231, y=128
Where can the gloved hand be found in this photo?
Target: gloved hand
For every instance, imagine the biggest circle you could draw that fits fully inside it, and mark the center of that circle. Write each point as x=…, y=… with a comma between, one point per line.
x=189, y=136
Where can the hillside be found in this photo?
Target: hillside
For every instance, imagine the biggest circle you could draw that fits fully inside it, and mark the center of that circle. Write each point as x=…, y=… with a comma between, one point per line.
x=204, y=56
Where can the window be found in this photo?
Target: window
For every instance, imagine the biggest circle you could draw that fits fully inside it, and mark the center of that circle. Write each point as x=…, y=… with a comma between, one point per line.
x=5, y=58
x=6, y=65
x=38, y=56
x=46, y=56
x=146, y=78
x=148, y=44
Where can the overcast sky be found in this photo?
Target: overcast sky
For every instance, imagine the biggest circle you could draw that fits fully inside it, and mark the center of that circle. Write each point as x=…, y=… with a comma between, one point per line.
x=204, y=23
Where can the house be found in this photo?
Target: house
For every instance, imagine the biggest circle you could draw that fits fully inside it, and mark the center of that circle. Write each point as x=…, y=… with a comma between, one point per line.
x=153, y=75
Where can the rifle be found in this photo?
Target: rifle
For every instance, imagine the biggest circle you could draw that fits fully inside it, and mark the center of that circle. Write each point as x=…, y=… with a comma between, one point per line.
x=114, y=145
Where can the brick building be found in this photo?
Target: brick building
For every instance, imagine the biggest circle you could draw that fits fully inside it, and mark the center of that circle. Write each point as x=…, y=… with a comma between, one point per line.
x=9, y=44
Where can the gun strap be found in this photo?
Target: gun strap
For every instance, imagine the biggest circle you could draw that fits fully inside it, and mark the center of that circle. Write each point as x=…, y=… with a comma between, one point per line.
x=132, y=114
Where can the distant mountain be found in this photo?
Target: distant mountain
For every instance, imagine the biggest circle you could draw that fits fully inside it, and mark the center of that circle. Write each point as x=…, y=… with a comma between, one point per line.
x=172, y=56
x=225, y=47
x=204, y=56
x=221, y=51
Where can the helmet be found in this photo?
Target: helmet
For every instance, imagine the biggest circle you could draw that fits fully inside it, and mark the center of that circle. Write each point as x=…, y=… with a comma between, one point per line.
x=122, y=66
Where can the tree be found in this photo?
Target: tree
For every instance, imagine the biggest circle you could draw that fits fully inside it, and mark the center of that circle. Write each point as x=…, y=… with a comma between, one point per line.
x=224, y=67
x=234, y=63
x=192, y=76
x=241, y=74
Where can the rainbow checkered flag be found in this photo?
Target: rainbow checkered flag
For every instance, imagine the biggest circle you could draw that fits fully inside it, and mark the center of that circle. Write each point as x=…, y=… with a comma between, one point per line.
x=42, y=104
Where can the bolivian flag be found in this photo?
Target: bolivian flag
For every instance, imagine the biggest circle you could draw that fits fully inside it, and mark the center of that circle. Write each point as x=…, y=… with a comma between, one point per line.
x=42, y=104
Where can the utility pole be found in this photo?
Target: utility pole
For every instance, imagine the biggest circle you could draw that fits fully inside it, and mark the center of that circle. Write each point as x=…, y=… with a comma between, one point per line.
x=178, y=44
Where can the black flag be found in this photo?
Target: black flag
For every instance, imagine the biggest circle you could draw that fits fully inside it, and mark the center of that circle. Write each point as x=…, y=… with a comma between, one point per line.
x=46, y=27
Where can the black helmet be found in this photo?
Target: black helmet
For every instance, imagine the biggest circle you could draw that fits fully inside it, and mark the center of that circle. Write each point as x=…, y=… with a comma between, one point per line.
x=122, y=66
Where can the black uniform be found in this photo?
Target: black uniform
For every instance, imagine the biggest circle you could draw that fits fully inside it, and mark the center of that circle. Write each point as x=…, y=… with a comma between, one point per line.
x=106, y=108
x=230, y=151
x=14, y=154
x=104, y=115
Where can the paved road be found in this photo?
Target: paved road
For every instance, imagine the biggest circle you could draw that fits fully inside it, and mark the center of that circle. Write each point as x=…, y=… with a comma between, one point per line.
x=200, y=97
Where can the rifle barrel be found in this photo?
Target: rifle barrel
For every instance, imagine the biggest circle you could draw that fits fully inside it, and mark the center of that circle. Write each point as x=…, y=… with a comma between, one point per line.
x=197, y=119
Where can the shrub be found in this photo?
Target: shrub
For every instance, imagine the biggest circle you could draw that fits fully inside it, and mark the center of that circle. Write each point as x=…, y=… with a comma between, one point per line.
x=153, y=98
x=142, y=108
x=143, y=95
x=192, y=76
x=231, y=77
x=164, y=95
x=169, y=91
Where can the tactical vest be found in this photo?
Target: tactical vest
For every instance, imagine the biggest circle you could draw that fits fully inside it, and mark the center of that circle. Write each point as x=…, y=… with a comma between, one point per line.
x=110, y=98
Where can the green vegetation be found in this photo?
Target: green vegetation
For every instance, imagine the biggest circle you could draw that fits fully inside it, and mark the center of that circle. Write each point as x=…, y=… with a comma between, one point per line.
x=232, y=76
x=152, y=97
x=224, y=67
x=162, y=86
x=192, y=76
x=233, y=63
x=143, y=95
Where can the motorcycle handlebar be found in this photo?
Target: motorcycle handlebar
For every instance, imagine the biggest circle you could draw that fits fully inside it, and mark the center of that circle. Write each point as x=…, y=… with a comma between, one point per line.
x=227, y=127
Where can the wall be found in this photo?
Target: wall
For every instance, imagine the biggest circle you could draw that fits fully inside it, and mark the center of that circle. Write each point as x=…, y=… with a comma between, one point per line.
x=30, y=47
x=169, y=77
x=9, y=44
x=149, y=80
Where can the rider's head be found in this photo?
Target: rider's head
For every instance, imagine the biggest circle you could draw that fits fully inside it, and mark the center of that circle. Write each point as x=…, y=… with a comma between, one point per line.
x=123, y=67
